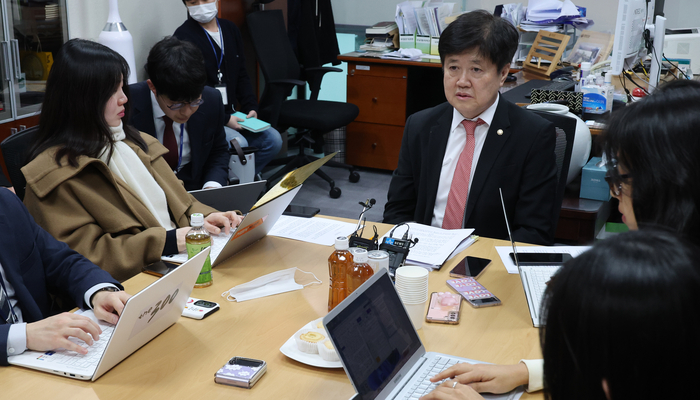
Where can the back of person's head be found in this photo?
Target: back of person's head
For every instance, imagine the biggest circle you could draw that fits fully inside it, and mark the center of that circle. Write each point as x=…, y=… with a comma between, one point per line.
x=83, y=77
x=627, y=312
x=495, y=38
x=657, y=141
x=176, y=69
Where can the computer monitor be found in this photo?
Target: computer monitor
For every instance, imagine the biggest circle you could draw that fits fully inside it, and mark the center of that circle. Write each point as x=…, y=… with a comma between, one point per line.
x=633, y=20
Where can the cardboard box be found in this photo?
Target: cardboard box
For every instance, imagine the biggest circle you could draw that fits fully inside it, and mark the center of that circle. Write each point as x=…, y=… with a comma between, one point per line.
x=593, y=185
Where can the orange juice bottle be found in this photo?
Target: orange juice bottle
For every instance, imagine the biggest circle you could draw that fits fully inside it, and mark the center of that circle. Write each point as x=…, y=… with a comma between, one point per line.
x=338, y=264
x=359, y=272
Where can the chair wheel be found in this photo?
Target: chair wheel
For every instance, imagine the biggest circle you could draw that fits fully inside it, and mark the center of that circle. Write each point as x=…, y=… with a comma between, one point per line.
x=354, y=177
x=335, y=192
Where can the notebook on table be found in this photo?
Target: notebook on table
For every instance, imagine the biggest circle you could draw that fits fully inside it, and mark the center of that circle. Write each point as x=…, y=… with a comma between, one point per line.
x=380, y=349
x=145, y=315
x=239, y=197
x=255, y=226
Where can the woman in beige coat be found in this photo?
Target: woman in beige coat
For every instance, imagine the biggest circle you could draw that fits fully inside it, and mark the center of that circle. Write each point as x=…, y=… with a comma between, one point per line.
x=98, y=184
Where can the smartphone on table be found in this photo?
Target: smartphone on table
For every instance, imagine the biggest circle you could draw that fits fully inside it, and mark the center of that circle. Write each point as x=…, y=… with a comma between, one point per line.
x=240, y=371
x=301, y=211
x=444, y=308
x=541, y=258
x=470, y=266
x=473, y=292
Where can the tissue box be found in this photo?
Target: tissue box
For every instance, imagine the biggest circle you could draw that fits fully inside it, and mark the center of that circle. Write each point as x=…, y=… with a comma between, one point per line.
x=593, y=185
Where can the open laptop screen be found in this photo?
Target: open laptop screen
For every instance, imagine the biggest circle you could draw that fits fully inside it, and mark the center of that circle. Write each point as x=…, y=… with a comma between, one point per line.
x=374, y=337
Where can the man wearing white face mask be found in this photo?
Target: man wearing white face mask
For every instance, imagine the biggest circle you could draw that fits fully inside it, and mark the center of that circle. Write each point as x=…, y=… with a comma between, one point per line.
x=222, y=46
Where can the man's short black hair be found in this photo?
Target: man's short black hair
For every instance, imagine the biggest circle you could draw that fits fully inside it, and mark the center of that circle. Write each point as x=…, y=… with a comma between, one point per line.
x=495, y=38
x=176, y=69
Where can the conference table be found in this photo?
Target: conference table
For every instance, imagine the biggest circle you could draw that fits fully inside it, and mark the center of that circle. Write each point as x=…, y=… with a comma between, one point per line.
x=180, y=363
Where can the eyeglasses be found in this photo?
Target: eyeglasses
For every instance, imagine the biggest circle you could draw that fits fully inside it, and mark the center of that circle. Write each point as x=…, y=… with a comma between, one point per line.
x=193, y=103
x=615, y=182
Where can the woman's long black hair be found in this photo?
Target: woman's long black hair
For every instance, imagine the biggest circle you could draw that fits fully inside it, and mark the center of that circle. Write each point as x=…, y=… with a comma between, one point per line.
x=84, y=76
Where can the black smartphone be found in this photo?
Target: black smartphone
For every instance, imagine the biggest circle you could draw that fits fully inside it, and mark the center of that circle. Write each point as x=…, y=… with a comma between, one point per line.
x=470, y=266
x=160, y=268
x=541, y=258
x=301, y=211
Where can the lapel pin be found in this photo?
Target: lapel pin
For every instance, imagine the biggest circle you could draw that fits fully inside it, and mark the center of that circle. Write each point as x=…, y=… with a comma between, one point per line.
x=499, y=132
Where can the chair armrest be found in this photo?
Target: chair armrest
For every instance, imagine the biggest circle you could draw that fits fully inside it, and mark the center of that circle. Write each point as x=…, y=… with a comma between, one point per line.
x=314, y=75
x=296, y=82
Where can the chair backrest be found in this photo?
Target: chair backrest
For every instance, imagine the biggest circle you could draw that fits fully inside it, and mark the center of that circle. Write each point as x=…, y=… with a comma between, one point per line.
x=276, y=58
x=14, y=150
x=565, y=130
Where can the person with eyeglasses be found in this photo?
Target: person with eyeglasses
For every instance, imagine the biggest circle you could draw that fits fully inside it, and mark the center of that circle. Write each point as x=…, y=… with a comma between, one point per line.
x=187, y=117
x=653, y=163
x=617, y=317
x=95, y=182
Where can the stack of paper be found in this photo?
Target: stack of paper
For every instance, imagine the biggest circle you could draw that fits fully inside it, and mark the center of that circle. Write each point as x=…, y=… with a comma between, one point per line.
x=435, y=245
x=549, y=15
x=423, y=17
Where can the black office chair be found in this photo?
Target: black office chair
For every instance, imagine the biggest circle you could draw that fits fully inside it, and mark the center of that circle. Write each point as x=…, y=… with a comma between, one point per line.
x=14, y=150
x=566, y=131
x=282, y=73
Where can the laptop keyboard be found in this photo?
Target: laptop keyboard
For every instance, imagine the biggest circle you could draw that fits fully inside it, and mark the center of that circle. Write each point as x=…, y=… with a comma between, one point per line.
x=420, y=384
x=218, y=242
x=537, y=280
x=89, y=360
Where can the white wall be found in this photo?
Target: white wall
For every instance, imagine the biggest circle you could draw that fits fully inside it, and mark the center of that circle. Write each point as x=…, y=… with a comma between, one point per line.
x=148, y=21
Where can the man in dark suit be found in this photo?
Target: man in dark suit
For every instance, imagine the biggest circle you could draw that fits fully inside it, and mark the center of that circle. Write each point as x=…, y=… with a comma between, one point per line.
x=34, y=264
x=455, y=156
x=176, y=107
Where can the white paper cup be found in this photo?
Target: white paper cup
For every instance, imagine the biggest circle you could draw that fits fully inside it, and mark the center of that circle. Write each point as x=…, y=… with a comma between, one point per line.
x=415, y=313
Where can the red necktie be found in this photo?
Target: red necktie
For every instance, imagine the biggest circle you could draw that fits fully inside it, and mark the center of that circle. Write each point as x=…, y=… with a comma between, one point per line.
x=170, y=143
x=457, y=199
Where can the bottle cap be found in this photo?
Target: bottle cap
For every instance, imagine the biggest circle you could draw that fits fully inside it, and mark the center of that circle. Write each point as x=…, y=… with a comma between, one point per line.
x=196, y=219
x=360, y=256
x=341, y=243
x=586, y=66
x=608, y=78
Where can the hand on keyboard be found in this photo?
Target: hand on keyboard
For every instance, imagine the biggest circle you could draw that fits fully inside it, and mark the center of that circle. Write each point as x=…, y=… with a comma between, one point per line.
x=53, y=332
x=487, y=378
x=452, y=390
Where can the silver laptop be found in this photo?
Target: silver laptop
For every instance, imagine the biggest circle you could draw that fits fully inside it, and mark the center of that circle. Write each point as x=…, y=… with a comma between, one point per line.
x=533, y=277
x=239, y=197
x=145, y=315
x=255, y=226
x=380, y=349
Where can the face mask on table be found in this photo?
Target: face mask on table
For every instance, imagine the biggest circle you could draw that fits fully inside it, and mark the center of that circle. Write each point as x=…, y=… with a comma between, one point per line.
x=203, y=13
x=277, y=282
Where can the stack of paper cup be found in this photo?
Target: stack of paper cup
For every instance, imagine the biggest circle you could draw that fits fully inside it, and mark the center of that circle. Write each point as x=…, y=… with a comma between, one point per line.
x=412, y=286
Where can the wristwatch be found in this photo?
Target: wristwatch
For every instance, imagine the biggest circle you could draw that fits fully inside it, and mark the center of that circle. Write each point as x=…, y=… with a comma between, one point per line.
x=104, y=289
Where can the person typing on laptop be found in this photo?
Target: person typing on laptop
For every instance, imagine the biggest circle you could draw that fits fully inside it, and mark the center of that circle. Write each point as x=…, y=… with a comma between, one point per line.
x=617, y=315
x=653, y=170
x=34, y=264
x=96, y=183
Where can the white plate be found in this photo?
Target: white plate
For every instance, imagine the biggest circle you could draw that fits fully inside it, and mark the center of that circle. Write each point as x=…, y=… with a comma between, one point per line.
x=290, y=349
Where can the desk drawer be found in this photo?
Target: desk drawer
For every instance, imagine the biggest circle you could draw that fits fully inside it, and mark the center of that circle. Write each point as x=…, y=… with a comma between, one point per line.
x=381, y=100
x=373, y=145
x=378, y=70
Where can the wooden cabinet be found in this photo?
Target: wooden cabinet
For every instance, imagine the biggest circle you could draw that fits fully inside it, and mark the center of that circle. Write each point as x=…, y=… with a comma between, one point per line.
x=387, y=92
x=374, y=139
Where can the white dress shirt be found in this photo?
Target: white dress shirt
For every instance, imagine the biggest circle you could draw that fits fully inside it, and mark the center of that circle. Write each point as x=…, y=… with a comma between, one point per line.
x=455, y=145
x=158, y=115
x=17, y=335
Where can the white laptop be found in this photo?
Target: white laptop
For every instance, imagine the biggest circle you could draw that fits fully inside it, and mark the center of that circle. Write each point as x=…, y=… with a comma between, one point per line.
x=239, y=197
x=145, y=315
x=255, y=226
x=380, y=349
x=533, y=277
